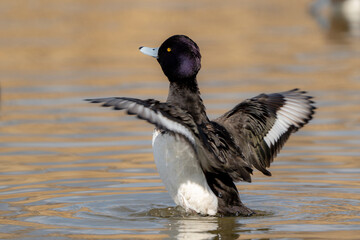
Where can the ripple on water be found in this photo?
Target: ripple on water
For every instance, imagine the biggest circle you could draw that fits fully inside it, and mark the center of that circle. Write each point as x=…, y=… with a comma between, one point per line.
x=71, y=170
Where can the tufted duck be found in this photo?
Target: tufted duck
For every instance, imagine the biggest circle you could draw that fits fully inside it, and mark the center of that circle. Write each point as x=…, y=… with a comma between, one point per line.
x=200, y=159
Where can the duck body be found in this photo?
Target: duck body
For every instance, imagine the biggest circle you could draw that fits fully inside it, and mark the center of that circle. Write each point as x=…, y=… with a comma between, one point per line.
x=182, y=175
x=200, y=159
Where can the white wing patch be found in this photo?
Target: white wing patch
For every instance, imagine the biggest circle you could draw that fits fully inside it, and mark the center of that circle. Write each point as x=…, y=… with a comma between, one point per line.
x=154, y=116
x=295, y=112
x=175, y=127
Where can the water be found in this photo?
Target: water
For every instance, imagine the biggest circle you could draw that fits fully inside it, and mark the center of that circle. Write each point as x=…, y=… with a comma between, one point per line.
x=72, y=170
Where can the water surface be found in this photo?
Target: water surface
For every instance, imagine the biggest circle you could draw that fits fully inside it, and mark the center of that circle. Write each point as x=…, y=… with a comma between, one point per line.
x=72, y=170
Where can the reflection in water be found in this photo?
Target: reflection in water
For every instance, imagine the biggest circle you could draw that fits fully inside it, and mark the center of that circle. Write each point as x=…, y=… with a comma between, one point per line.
x=340, y=18
x=205, y=228
x=184, y=225
x=73, y=171
x=191, y=226
x=209, y=228
x=194, y=228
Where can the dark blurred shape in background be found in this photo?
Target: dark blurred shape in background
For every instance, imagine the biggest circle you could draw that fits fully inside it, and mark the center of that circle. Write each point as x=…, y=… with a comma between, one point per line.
x=339, y=18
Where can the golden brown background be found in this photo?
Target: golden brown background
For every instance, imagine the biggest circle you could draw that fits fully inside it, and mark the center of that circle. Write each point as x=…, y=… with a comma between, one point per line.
x=71, y=170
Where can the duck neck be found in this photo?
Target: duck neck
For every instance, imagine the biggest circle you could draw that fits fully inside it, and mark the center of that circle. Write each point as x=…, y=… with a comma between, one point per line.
x=186, y=95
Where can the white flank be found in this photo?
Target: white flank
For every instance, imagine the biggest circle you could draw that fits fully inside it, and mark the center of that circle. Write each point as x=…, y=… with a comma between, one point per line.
x=182, y=175
x=294, y=112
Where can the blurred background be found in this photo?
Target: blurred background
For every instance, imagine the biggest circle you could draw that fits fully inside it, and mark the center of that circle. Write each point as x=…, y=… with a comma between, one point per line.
x=69, y=169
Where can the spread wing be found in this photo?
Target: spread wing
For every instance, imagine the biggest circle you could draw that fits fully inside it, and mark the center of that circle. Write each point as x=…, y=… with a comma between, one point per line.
x=261, y=125
x=163, y=115
x=175, y=120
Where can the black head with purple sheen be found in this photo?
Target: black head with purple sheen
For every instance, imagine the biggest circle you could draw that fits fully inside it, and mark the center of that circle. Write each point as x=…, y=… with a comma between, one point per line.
x=180, y=58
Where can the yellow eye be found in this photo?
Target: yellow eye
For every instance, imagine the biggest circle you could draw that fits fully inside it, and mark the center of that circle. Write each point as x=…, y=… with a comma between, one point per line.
x=168, y=49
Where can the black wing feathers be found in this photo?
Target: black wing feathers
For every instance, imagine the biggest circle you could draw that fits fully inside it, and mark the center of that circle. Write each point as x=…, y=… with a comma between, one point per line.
x=261, y=125
x=229, y=158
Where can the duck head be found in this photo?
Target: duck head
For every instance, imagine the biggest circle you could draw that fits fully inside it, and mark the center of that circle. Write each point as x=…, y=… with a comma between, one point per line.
x=178, y=56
